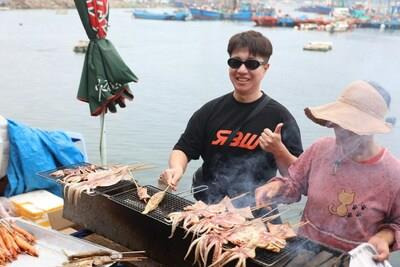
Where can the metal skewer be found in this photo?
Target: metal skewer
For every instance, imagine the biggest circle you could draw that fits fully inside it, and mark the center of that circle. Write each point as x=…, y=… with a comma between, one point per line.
x=192, y=191
x=239, y=196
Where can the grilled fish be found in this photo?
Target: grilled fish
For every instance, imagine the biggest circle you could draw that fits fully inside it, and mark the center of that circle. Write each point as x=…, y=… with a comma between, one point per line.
x=154, y=201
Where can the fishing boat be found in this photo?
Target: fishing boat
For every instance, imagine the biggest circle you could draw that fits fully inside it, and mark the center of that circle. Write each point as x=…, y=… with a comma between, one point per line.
x=265, y=16
x=206, y=14
x=299, y=21
x=374, y=23
x=393, y=24
x=160, y=14
x=319, y=9
x=266, y=21
x=244, y=13
x=286, y=21
x=339, y=26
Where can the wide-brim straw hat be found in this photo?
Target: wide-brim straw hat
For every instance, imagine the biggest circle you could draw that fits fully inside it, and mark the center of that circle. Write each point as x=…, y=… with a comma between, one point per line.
x=360, y=109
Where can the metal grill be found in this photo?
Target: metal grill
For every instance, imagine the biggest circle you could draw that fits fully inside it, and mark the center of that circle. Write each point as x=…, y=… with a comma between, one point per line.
x=46, y=174
x=121, y=186
x=170, y=203
x=267, y=258
x=122, y=205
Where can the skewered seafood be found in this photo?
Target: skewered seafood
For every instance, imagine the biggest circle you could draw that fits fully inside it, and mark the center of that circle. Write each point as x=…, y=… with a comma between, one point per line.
x=87, y=254
x=204, y=244
x=101, y=258
x=198, y=205
x=246, y=212
x=154, y=201
x=217, y=223
x=247, y=233
x=237, y=253
x=270, y=242
x=230, y=232
x=141, y=191
x=87, y=179
x=283, y=231
x=192, y=214
x=73, y=172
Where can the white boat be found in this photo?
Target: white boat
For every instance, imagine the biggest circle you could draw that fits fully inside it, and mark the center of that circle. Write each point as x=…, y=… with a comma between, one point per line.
x=338, y=26
x=81, y=46
x=341, y=12
x=318, y=46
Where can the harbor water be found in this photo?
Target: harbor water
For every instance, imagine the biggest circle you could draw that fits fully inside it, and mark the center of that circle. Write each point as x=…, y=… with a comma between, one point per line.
x=180, y=66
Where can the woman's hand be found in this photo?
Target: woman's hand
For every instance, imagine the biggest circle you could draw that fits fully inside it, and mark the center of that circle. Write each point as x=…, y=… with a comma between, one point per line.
x=265, y=193
x=6, y=208
x=382, y=241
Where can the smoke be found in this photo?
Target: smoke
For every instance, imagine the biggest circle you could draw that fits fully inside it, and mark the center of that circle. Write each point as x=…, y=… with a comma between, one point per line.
x=233, y=176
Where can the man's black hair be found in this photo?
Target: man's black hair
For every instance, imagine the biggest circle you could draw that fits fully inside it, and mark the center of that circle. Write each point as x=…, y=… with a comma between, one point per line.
x=258, y=44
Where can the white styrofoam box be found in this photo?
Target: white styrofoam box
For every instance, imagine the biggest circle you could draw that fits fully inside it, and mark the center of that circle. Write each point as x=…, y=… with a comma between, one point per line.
x=4, y=147
x=38, y=201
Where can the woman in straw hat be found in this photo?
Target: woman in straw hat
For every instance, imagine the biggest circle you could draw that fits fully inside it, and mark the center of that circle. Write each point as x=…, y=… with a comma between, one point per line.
x=352, y=183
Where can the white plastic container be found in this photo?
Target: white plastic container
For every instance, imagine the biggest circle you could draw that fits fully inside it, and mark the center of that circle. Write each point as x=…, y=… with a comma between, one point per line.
x=41, y=207
x=361, y=256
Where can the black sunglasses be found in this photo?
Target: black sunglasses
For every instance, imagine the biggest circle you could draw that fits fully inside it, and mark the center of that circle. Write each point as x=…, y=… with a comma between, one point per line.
x=251, y=64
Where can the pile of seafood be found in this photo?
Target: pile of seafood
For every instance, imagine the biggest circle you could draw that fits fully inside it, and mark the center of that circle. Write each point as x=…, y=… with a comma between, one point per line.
x=87, y=178
x=13, y=241
x=231, y=233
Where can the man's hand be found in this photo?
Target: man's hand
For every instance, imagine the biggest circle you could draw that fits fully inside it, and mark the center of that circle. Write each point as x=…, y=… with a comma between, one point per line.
x=272, y=141
x=381, y=241
x=171, y=177
x=265, y=193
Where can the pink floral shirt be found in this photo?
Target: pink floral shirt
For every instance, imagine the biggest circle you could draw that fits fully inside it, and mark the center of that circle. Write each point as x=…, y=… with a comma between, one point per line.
x=346, y=204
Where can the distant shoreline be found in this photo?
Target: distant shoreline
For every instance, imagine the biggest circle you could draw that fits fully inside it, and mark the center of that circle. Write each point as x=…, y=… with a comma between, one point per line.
x=54, y=4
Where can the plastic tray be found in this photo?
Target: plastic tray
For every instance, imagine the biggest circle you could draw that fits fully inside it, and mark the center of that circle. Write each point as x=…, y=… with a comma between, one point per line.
x=51, y=246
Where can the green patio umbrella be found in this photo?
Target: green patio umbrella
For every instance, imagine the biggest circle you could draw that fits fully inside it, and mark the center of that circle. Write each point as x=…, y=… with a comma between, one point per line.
x=105, y=76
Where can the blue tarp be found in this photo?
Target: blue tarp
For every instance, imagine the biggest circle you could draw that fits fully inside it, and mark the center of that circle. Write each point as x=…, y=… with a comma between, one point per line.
x=34, y=150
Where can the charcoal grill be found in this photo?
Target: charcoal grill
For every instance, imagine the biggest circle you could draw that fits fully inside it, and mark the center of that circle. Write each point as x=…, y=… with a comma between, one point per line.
x=115, y=212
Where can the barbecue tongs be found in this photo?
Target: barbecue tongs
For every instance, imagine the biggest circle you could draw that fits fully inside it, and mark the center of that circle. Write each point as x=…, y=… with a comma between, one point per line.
x=102, y=258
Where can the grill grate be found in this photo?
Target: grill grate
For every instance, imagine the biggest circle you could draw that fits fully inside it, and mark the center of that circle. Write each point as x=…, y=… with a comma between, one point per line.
x=267, y=258
x=170, y=203
x=99, y=190
x=123, y=184
x=46, y=174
